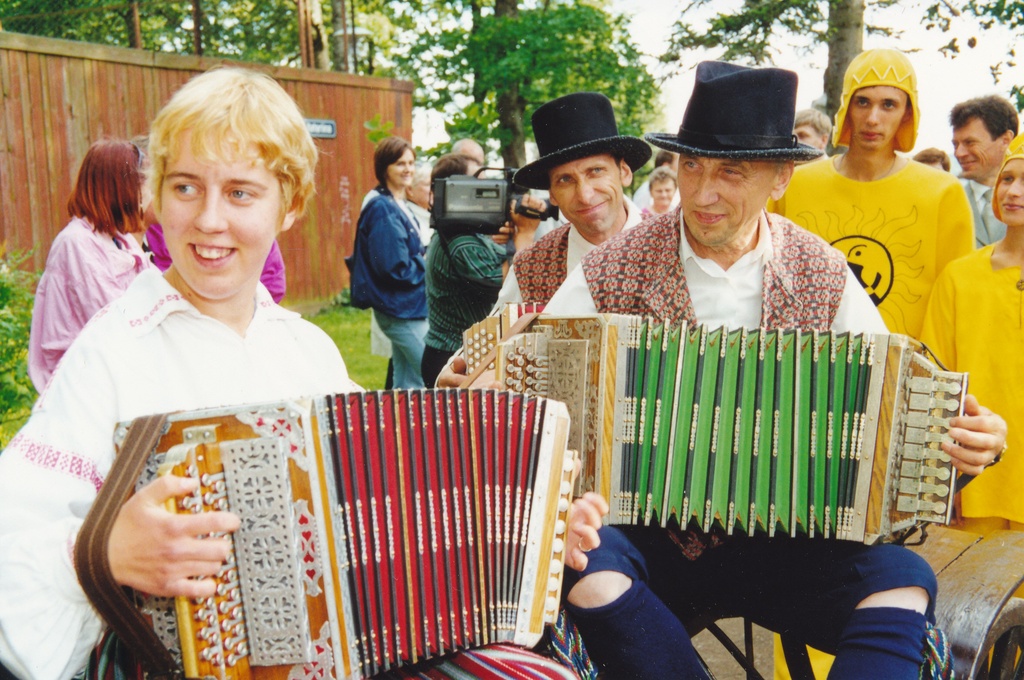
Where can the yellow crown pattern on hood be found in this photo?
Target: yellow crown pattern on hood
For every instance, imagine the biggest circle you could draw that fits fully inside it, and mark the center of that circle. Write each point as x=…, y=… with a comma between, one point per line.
x=879, y=67
x=1014, y=151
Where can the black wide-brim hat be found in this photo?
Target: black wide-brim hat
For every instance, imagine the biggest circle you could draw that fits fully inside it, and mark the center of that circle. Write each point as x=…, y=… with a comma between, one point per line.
x=739, y=113
x=576, y=126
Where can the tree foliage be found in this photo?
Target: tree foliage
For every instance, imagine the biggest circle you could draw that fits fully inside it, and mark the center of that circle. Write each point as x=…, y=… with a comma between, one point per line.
x=747, y=35
x=16, y=391
x=1011, y=15
x=263, y=31
x=464, y=56
x=754, y=31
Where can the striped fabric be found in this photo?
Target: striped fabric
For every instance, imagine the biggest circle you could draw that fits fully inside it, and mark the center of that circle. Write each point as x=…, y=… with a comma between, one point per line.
x=112, y=661
x=495, y=662
x=464, y=275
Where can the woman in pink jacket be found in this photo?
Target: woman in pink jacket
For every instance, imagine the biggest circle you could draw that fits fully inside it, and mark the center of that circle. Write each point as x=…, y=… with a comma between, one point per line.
x=94, y=258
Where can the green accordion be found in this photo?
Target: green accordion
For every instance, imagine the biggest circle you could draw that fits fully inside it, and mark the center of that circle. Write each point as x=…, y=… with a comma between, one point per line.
x=767, y=431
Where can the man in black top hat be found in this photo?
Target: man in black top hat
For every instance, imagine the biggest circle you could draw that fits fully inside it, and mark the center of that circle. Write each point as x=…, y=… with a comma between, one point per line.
x=723, y=260
x=584, y=164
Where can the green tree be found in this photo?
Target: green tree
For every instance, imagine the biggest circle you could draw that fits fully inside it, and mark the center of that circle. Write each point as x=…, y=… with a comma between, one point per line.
x=486, y=64
x=263, y=31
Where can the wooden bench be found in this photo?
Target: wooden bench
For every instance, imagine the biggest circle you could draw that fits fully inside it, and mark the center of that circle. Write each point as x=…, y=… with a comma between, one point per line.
x=984, y=622
x=976, y=607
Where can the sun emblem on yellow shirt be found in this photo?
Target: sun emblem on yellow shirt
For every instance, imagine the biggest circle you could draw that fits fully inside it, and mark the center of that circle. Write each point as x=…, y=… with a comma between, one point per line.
x=871, y=264
x=882, y=252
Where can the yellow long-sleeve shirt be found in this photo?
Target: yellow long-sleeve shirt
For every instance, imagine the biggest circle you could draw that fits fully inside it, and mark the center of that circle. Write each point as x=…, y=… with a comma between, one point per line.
x=975, y=323
x=897, y=233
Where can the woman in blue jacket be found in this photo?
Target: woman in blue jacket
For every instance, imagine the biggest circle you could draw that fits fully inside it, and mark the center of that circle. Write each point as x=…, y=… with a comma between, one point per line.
x=387, y=265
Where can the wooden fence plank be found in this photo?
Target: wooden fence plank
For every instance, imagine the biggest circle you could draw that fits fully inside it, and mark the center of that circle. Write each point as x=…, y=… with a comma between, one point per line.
x=38, y=174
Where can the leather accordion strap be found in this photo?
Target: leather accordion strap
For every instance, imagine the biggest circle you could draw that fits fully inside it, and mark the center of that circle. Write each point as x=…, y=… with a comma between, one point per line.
x=518, y=327
x=92, y=563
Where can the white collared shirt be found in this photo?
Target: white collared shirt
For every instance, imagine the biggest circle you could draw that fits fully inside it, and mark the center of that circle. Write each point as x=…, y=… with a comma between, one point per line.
x=149, y=351
x=577, y=248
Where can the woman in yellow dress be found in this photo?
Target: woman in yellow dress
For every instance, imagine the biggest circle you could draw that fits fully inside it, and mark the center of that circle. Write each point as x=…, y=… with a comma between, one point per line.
x=975, y=323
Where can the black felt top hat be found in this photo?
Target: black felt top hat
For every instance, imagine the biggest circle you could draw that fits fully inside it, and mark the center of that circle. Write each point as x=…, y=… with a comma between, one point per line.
x=576, y=126
x=740, y=113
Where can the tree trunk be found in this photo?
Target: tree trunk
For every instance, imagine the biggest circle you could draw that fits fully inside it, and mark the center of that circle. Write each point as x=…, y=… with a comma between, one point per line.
x=511, y=107
x=305, y=36
x=135, y=27
x=321, y=43
x=197, y=28
x=845, y=41
x=339, y=39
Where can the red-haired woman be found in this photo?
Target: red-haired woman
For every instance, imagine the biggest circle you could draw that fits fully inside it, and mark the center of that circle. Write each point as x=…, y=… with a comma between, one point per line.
x=94, y=258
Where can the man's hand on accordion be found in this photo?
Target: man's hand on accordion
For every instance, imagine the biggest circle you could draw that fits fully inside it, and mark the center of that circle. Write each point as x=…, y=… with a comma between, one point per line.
x=162, y=553
x=454, y=375
x=979, y=437
x=585, y=515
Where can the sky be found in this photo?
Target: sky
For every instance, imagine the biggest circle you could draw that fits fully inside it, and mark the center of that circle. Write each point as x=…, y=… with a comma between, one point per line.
x=942, y=81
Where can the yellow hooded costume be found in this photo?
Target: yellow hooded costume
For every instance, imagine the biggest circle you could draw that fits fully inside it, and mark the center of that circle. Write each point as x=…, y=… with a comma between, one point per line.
x=1014, y=151
x=897, y=232
x=873, y=68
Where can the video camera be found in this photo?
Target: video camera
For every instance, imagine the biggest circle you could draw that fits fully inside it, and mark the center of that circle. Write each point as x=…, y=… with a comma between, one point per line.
x=465, y=204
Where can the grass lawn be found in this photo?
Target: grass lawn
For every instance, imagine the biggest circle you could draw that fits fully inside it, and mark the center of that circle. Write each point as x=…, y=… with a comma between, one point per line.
x=350, y=329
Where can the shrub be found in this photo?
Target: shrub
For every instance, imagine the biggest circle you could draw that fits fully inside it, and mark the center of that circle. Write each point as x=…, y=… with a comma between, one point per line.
x=16, y=391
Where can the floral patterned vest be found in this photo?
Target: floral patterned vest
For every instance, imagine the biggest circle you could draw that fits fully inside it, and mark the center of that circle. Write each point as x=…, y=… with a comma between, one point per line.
x=540, y=269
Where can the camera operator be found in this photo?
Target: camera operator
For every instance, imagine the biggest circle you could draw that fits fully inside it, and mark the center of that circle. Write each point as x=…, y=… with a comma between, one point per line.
x=464, y=274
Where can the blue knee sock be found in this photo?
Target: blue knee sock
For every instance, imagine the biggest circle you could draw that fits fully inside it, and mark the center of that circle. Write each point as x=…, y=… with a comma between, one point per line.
x=636, y=637
x=880, y=642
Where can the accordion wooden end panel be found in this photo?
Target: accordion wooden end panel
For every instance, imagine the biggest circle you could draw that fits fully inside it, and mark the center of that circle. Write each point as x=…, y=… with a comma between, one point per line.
x=378, y=530
x=765, y=432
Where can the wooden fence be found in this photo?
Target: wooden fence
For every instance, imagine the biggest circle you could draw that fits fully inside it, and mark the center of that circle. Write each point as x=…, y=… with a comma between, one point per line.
x=60, y=96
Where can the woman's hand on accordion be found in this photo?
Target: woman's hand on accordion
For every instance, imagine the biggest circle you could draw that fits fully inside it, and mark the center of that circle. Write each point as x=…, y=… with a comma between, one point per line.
x=979, y=437
x=585, y=515
x=162, y=553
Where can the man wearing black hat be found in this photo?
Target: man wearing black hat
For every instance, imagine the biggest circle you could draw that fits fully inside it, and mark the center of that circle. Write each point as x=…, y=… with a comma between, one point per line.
x=584, y=164
x=723, y=260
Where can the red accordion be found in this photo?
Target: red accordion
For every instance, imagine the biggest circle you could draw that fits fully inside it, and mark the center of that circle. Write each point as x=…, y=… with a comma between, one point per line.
x=378, y=529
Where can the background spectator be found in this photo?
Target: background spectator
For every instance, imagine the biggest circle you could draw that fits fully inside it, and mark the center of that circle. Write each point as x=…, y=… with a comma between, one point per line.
x=663, y=188
x=937, y=158
x=94, y=258
x=418, y=200
x=812, y=127
x=973, y=323
x=642, y=196
x=387, y=265
x=471, y=150
x=982, y=129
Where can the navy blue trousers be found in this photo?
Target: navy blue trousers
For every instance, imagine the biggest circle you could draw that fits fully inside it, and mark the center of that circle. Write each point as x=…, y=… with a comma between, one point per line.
x=805, y=586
